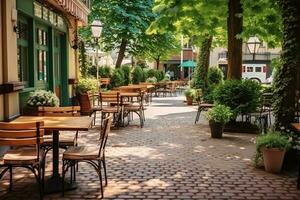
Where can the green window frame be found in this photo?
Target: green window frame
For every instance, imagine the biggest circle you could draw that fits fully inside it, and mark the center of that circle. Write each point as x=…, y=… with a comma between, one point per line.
x=23, y=50
x=42, y=52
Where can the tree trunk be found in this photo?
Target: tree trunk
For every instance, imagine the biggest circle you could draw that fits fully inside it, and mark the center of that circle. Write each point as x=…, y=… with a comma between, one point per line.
x=157, y=62
x=234, y=27
x=298, y=52
x=121, y=53
x=200, y=74
x=285, y=84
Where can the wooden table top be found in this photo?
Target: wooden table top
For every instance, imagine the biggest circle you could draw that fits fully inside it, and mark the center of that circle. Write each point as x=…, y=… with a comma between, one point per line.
x=130, y=94
x=296, y=127
x=59, y=123
x=136, y=86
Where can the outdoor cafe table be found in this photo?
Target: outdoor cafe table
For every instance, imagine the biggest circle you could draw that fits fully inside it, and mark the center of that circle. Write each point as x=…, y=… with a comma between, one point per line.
x=56, y=124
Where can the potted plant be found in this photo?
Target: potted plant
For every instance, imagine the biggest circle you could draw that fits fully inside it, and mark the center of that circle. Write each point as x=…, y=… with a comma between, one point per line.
x=84, y=88
x=40, y=98
x=218, y=116
x=271, y=149
x=189, y=94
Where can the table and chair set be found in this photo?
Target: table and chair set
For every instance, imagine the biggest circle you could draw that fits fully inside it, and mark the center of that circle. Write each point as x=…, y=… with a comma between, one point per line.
x=31, y=137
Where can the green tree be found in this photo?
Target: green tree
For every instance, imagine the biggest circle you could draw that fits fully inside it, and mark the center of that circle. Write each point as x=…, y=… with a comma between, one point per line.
x=157, y=47
x=124, y=22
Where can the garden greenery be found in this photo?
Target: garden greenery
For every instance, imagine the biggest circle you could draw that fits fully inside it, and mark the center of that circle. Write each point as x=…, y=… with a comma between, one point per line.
x=118, y=78
x=85, y=85
x=42, y=98
x=270, y=140
x=138, y=75
x=242, y=96
x=219, y=113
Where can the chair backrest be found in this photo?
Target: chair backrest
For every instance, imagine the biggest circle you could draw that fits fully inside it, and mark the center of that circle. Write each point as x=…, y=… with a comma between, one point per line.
x=59, y=111
x=22, y=134
x=104, y=134
x=107, y=98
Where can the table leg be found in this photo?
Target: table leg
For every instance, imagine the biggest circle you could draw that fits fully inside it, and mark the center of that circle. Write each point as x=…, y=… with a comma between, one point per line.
x=54, y=184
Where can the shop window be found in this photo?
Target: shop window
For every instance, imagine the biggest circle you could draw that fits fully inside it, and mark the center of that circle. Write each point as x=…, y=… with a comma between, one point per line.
x=249, y=69
x=42, y=53
x=22, y=50
x=257, y=69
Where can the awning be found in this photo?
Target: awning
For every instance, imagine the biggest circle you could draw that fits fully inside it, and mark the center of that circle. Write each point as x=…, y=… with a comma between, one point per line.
x=188, y=63
x=76, y=8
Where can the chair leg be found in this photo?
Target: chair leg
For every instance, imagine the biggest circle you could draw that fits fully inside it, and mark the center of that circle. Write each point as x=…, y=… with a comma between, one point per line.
x=198, y=115
x=298, y=181
x=63, y=178
x=39, y=182
x=100, y=178
x=104, y=168
x=10, y=178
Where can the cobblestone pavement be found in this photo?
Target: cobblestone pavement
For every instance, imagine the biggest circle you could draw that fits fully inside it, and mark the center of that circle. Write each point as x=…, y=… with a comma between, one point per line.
x=170, y=158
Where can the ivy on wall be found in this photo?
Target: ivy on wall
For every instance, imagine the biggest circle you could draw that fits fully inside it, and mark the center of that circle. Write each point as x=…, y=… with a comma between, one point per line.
x=285, y=80
x=200, y=74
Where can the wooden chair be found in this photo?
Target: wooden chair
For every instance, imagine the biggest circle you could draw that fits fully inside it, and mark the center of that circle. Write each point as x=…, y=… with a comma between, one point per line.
x=135, y=106
x=110, y=103
x=64, y=141
x=94, y=155
x=27, y=137
x=202, y=106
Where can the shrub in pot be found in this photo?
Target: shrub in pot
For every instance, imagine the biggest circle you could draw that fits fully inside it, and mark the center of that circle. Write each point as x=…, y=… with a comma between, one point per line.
x=218, y=116
x=138, y=75
x=83, y=88
x=242, y=96
x=271, y=149
x=40, y=98
x=189, y=94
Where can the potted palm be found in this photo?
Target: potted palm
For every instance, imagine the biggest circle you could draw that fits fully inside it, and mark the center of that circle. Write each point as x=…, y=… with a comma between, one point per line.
x=84, y=88
x=40, y=98
x=271, y=149
x=218, y=116
x=189, y=94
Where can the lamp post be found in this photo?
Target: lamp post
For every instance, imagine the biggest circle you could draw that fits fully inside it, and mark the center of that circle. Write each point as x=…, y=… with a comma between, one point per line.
x=253, y=45
x=96, y=27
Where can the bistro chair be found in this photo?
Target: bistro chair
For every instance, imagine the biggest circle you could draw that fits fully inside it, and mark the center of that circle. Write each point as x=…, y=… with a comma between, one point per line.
x=135, y=106
x=261, y=116
x=25, y=140
x=93, y=155
x=65, y=141
x=110, y=103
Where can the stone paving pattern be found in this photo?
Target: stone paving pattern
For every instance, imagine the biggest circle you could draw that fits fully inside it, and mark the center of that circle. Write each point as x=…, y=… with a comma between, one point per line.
x=170, y=158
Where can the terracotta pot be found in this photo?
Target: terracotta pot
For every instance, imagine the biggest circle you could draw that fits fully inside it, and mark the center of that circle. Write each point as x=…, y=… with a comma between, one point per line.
x=273, y=159
x=85, y=103
x=216, y=129
x=189, y=101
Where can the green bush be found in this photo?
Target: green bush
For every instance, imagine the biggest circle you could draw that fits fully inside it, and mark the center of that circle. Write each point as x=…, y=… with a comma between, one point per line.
x=151, y=80
x=219, y=113
x=214, y=76
x=270, y=140
x=85, y=85
x=138, y=75
x=117, y=78
x=127, y=74
x=242, y=96
x=151, y=73
x=189, y=92
x=160, y=75
x=42, y=98
x=104, y=71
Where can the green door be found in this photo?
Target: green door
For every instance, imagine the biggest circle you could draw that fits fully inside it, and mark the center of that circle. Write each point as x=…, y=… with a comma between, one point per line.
x=57, y=63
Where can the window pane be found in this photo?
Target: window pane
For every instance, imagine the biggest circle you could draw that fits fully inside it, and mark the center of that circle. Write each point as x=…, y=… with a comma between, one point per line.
x=22, y=32
x=249, y=69
x=257, y=69
x=45, y=14
x=45, y=38
x=38, y=10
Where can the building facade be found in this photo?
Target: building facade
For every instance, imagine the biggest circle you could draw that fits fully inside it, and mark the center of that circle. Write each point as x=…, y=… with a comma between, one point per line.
x=38, y=50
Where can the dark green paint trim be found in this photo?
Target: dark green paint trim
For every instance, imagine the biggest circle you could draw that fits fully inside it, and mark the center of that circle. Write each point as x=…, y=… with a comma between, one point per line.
x=64, y=71
x=50, y=69
x=26, y=6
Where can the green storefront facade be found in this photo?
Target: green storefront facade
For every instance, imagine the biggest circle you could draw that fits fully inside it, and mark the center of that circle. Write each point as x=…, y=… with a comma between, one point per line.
x=42, y=53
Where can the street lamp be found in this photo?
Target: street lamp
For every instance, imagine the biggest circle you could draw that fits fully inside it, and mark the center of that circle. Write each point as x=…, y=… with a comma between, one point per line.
x=96, y=27
x=253, y=45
